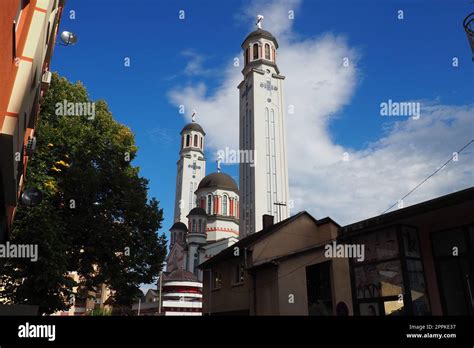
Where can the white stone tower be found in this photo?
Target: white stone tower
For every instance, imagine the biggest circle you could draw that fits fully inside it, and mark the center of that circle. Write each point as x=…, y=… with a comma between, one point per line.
x=196, y=238
x=264, y=183
x=191, y=169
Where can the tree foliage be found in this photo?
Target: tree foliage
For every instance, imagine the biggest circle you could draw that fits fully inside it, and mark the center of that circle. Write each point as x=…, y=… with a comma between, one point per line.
x=95, y=217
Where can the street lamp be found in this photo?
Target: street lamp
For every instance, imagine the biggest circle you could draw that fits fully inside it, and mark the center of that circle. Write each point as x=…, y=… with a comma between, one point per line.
x=68, y=38
x=468, y=24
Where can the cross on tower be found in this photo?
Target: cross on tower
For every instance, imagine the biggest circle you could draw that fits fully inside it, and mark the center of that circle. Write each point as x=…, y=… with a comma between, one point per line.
x=194, y=167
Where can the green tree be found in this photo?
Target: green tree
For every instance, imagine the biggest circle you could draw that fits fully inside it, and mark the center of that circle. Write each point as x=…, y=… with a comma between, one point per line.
x=95, y=217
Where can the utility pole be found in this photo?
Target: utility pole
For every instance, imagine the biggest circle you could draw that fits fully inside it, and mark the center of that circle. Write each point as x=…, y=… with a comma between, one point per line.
x=159, y=291
x=139, y=303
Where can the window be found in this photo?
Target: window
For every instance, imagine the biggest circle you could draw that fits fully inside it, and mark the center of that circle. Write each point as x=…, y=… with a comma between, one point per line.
x=216, y=280
x=255, y=51
x=239, y=273
x=199, y=226
x=318, y=284
x=224, y=205
x=196, y=140
x=267, y=51
x=201, y=143
x=188, y=139
x=247, y=56
x=209, y=204
x=193, y=229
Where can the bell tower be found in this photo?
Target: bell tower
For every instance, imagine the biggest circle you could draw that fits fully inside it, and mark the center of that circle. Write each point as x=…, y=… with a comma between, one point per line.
x=191, y=169
x=263, y=183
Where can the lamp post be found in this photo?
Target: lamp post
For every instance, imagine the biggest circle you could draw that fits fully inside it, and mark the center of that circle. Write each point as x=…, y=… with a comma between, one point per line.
x=468, y=25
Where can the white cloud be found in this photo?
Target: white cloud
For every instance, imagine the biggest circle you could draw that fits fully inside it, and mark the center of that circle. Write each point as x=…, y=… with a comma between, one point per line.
x=319, y=86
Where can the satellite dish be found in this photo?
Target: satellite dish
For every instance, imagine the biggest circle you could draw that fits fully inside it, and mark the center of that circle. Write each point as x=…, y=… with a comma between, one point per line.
x=31, y=197
x=68, y=38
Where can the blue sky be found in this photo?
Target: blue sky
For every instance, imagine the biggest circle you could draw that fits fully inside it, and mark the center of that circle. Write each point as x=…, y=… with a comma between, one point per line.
x=409, y=59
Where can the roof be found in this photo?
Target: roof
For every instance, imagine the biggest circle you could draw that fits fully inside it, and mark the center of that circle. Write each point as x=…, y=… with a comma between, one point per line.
x=179, y=226
x=197, y=211
x=193, y=126
x=413, y=210
x=220, y=181
x=255, y=237
x=261, y=33
x=179, y=275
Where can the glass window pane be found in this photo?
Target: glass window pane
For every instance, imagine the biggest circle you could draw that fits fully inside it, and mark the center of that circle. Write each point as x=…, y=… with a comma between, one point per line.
x=379, y=245
x=411, y=241
x=418, y=288
x=370, y=309
x=393, y=307
x=384, y=279
x=446, y=242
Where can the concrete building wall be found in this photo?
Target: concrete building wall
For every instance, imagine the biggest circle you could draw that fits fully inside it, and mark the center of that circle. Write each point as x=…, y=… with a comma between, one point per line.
x=230, y=297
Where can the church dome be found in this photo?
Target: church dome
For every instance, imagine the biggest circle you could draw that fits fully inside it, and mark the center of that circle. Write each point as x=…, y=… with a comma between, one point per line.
x=180, y=275
x=193, y=126
x=219, y=181
x=261, y=33
x=179, y=226
x=197, y=211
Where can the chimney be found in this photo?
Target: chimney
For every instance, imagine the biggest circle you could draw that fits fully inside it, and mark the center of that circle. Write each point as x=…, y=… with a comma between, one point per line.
x=267, y=221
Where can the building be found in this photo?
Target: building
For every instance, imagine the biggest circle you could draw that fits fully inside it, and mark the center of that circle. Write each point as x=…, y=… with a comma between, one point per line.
x=191, y=169
x=28, y=30
x=85, y=302
x=181, y=293
x=264, y=187
x=147, y=305
x=206, y=222
x=418, y=260
x=281, y=270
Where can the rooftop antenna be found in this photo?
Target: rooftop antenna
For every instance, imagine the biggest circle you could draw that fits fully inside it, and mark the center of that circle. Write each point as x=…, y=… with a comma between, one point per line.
x=259, y=21
x=193, y=116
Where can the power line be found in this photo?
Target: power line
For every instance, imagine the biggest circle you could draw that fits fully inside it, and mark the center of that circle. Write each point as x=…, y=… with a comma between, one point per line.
x=429, y=176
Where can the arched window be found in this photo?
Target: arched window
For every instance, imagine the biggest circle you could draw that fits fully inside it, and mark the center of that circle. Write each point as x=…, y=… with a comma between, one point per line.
x=195, y=140
x=201, y=143
x=224, y=205
x=267, y=51
x=188, y=139
x=255, y=51
x=193, y=230
x=209, y=204
x=247, y=56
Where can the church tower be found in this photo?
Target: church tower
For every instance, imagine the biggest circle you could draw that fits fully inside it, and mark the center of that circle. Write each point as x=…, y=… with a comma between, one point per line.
x=191, y=169
x=263, y=183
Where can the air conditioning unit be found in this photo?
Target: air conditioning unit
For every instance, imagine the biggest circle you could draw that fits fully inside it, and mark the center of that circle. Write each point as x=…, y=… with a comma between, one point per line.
x=31, y=146
x=46, y=77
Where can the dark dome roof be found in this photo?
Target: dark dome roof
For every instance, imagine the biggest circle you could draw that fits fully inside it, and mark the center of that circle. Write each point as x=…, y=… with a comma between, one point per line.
x=179, y=226
x=261, y=33
x=180, y=274
x=219, y=180
x=197, y=211
x=193, y=126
